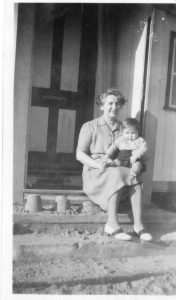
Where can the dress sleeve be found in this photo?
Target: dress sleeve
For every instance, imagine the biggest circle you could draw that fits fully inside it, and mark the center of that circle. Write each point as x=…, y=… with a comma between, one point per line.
x=85, y=138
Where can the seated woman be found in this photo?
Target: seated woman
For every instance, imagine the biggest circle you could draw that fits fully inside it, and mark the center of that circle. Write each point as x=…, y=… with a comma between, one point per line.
x=103, y=185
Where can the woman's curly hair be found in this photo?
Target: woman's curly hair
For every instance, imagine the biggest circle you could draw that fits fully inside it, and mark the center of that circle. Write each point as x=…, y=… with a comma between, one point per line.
x=112, y=91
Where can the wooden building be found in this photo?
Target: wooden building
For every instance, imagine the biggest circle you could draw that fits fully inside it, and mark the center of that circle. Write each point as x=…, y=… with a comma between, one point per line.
x=68, y=53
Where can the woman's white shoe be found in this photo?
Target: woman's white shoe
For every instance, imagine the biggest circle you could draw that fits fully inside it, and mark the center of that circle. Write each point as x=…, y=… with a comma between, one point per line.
x=118, y=234
x=143, y=234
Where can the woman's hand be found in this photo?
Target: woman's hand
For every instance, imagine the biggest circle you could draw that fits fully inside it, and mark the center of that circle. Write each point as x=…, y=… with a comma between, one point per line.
x=110, y=163
x=103, y=165
x=84, y=158
x=106, y=162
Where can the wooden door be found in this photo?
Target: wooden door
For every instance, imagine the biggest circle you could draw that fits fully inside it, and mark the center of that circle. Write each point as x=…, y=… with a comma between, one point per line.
x=138, y=78
x=63, y=84
x=141, y=72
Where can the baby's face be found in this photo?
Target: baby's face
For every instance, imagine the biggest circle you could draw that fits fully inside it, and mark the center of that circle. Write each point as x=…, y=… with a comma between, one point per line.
x=130, y=133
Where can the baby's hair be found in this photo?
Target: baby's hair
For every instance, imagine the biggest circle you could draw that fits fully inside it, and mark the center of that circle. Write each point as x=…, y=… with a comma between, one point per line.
x=131, y=122
x=112, y=91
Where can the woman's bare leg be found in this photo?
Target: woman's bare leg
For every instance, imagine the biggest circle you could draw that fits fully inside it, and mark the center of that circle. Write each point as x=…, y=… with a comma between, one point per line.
x=136, y=203
x=112, y=211
x=136, y=199
x=112, y=223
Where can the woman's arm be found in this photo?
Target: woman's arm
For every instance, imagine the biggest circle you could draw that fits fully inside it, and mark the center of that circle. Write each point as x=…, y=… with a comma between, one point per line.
x=83, y=148
x=84, y=158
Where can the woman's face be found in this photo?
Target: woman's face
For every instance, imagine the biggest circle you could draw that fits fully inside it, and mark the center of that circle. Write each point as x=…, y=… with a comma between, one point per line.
x=111, y=107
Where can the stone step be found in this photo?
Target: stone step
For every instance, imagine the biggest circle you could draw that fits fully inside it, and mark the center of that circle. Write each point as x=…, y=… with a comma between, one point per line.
x=39, y=218
x=150, y=215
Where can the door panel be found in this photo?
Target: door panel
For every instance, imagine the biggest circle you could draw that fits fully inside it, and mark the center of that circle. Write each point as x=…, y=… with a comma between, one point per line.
x=69, y=97
x=71, y=51
x=42, y=53
x=66, y=131
x=38, y=129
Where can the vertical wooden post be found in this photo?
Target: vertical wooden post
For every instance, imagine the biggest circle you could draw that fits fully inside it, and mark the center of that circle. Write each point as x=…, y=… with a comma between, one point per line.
x=150, y=115
x=22, y=87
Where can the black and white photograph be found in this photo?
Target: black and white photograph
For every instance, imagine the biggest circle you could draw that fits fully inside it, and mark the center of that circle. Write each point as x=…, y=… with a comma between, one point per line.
x=89, y=149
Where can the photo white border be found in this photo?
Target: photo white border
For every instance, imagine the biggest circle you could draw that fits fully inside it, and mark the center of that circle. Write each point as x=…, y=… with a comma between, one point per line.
x=7, y=63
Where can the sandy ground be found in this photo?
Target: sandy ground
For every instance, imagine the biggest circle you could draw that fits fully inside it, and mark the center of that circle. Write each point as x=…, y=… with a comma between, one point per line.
x=54, y=260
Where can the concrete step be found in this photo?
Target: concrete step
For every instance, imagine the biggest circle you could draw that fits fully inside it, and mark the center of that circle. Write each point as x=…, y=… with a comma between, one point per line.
x=150, y=215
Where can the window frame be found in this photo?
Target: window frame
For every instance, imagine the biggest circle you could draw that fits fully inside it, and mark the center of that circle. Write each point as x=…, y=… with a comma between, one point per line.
x=170, y=72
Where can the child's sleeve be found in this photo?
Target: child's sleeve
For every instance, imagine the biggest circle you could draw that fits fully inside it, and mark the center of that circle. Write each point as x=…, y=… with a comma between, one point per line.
x=142, y=148
x=113, y=148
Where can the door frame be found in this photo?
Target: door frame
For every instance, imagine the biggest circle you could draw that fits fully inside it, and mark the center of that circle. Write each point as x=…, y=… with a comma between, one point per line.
x=147, y=71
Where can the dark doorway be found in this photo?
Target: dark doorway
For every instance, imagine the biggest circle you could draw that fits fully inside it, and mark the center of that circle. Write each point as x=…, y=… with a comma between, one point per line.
x=63, y=86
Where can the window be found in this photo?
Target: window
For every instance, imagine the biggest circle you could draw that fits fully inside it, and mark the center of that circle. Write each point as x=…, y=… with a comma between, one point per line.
x=170, y=103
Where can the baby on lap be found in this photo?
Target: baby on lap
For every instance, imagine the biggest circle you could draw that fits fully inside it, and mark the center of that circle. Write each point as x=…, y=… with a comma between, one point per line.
x=131, y=148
